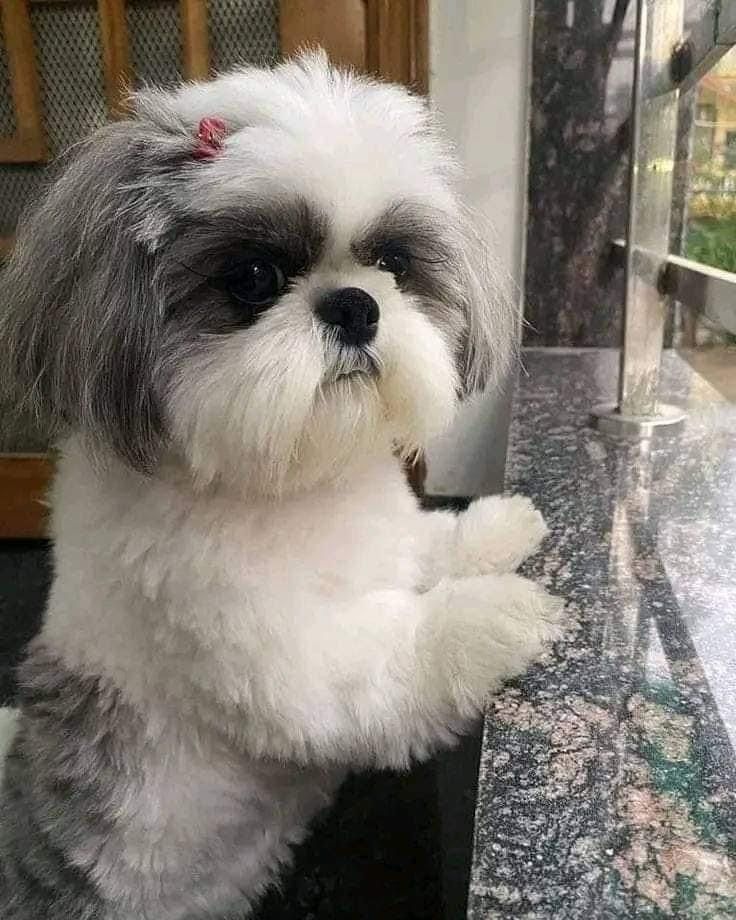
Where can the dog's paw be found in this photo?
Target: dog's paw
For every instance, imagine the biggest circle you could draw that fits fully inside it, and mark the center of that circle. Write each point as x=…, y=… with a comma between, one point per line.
x=538, y=615
x=496, y=534
x=492, y=629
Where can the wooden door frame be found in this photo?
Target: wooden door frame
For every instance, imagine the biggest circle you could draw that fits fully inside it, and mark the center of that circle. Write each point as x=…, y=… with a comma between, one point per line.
x=28, y=143
x=24, y=484
x=388, y=38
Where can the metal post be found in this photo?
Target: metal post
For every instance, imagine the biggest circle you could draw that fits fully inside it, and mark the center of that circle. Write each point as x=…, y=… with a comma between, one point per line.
x=653, y=137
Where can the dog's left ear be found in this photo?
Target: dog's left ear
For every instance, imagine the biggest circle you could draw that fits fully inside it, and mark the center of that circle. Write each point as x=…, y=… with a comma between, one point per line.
x=79, y=311
x=492, y=320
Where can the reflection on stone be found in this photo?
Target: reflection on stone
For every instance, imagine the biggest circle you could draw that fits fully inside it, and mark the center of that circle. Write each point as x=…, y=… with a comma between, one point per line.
x=608, y=776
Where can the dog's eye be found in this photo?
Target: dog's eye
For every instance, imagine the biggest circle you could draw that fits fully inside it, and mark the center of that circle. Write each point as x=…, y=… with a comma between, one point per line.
x=395, y=262
x=255, y=282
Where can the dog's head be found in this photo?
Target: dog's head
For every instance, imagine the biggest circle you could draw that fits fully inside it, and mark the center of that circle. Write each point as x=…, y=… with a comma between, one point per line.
x=259, y=276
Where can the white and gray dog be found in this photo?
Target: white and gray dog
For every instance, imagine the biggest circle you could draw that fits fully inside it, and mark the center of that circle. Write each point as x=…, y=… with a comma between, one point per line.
x=231, y=308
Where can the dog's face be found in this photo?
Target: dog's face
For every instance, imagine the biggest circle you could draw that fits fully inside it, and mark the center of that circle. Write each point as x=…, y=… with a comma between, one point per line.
x=263, y=304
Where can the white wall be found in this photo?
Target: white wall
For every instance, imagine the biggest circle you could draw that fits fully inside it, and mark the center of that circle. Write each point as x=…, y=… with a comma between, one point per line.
x=479, y=80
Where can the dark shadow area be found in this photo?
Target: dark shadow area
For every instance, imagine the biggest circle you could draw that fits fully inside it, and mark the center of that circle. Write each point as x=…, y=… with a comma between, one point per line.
x=375, y=854
x=25, y=576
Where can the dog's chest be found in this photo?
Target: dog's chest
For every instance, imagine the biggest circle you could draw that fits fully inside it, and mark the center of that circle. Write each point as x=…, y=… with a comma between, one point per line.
x=362, y=539
x=331, y=543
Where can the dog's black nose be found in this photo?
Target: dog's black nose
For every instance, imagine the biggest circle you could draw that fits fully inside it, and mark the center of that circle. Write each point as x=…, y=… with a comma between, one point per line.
x=352, y=312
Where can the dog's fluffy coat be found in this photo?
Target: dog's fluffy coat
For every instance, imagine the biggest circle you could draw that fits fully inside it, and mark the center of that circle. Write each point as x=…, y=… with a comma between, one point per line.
x=248, y=601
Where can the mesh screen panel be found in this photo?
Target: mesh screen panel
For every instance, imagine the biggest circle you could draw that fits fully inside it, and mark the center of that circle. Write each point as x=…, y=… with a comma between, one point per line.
x=72, y=84
x=72, y=94
x=155, y=43
x=243, y=32
x=7, y=116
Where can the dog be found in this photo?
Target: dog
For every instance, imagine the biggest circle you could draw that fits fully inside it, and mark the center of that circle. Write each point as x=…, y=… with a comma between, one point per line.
x=236, y=309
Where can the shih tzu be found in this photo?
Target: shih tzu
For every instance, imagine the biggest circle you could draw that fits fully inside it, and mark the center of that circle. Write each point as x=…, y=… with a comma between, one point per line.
x=234, y=308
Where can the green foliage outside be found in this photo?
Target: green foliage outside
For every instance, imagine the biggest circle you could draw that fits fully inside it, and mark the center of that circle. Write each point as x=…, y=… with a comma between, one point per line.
x=711, y=229
x=712, y=241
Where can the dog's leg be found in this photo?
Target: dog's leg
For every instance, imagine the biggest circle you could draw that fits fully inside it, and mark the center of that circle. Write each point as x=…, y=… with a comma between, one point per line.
x=495, y=535
x=401, y=673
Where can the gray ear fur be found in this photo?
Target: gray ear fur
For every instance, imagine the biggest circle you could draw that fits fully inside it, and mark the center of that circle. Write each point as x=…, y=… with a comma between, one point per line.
x=79, y=312
x=492, y=314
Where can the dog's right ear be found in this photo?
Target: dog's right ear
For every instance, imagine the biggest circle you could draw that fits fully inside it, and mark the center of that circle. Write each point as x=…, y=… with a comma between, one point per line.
x=79, y=310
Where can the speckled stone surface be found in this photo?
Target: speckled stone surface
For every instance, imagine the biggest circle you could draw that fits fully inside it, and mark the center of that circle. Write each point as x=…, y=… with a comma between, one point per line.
x=608, y=779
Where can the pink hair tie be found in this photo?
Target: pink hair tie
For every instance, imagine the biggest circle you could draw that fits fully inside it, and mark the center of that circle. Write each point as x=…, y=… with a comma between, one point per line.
x=211, y=133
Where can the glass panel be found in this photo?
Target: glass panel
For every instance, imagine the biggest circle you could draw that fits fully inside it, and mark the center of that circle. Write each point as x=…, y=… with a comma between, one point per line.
x=711, y=196
x=699, y=26
x=709, y=205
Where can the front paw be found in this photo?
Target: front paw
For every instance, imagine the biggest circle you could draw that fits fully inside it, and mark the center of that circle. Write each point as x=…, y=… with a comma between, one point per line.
x=496, y=534
x=492, y=628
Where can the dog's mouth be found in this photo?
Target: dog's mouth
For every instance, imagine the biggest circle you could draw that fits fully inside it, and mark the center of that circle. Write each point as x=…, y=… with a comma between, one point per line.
x=356, y=363
x=358, y=372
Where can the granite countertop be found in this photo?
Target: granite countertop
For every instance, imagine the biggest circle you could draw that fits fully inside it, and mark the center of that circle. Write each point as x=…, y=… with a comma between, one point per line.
x=608, y=779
